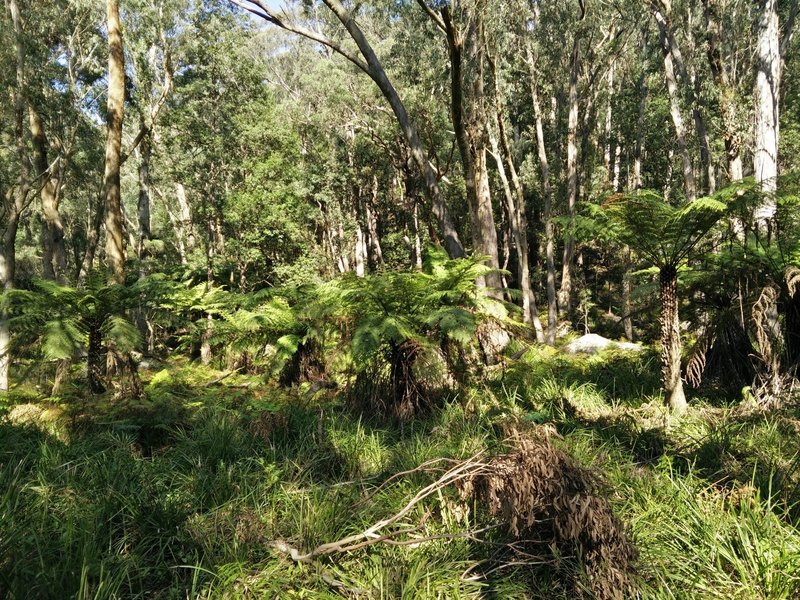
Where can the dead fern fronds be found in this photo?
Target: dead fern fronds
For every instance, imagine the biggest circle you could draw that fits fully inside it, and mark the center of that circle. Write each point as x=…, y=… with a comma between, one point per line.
x=792, y=277
x=764, y=312
x=697, y=361
x=543, y=496
x=768, y=382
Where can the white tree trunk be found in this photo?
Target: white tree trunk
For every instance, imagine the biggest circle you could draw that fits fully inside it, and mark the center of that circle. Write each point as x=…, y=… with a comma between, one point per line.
x=767, y=88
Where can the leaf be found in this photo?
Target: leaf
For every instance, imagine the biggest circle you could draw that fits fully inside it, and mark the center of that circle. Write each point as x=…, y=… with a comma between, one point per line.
x=121, y=333
x=61, y=339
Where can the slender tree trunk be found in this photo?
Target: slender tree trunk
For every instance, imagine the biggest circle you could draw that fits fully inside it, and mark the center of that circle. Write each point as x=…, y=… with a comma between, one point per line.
x=112, y=200
x=627, y=322
x=565, y=292
x=609, y=146
x=516, y=208
x=94, y=227
x=145, y=155
x=94, y=359
x=417, y=240
x=7, y=268
x=374, y=69
x=636, y=182
x=360, y=252
x=376, y=252
x=671, y=340
x=669, y=50
x=544, y=168
x=54, y=256
x=185, y=214
x=469, y=123
x=16, y=201
x=767, y=94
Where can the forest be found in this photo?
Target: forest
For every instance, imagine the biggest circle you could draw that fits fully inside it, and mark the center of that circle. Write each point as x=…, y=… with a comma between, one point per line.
x=399, y=299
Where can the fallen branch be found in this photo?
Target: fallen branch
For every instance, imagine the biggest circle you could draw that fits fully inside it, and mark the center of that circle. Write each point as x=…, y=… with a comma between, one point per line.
x=373, y=534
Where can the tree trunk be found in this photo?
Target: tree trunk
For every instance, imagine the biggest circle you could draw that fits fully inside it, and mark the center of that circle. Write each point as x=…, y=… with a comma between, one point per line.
x=636, y=180
x=565, y=292
x=516, y=209
x=544, y=167
x=668, y=49
x=7, y=268
x=112, y=200
x=671, y=340
x=767, y=93
x=94, y=360
x=185, y=216
x=376, y=252
x=94, y=226
x=374, y=69
x=145, y=154
x=360, y=252
x=627, y=322
x=54, y=256
x=14, y=202
x=469, y=122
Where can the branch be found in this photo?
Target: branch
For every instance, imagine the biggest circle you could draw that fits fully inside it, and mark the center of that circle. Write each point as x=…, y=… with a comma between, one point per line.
x=261, y=10
x=788, y=29
x=432, y=14
x=372, y=536
x=166, y=87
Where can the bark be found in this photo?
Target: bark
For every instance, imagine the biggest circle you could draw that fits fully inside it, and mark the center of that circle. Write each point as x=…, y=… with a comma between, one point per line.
x=92, y=240
x=185, y=214
x=376, y=252
x=417, y=240
x=565, y=292
x=544, y=168
x=636, y=182
x=14, y=202
x=360, y=252
x=7, y=268
x=374, y=69
x=627, y=322
x=112, y=201
x=767, y=94
x=669, y=50
x=95, y=359
x=54, y=255
x=145, y=154
x=671, y=340
x=469, y=122
x=516, y=209
x=609, y=150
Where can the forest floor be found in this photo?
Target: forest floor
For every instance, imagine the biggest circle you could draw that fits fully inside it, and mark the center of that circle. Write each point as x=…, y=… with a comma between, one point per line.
x=201, y=488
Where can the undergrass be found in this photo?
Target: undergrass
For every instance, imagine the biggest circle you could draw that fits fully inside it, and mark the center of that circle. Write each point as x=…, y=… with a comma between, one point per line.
x=182, y=495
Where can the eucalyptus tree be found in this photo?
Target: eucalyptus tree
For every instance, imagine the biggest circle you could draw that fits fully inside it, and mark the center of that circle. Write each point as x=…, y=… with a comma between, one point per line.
x=112, y=195
x=152, y=28
x=367, y=61
x=772, y=44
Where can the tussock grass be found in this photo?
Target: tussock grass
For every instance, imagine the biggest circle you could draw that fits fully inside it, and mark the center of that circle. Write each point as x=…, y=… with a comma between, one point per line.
x=180, y=495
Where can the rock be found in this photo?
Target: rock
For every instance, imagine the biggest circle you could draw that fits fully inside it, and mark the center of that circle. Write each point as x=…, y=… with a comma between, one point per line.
x=591, y=343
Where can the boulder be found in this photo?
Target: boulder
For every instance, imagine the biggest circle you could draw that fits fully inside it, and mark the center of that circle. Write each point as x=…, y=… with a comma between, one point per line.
x=591, y=343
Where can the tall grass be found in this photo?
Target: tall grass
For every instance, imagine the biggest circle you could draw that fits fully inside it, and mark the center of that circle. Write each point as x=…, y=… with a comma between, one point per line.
x=116, y=510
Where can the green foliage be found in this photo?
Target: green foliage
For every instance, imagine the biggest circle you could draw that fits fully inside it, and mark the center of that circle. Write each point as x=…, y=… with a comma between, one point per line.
x=60, y=318
x=661, y=233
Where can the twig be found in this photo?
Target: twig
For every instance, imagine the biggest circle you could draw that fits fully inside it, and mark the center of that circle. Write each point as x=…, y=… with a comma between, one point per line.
x=224, y=376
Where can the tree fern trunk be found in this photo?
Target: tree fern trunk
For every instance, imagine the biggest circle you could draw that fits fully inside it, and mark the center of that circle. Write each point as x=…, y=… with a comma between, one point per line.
x=94, y=359
x=671, y=340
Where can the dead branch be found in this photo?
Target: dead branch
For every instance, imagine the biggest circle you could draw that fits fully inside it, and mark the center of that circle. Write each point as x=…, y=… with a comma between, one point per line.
x=375, y=533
